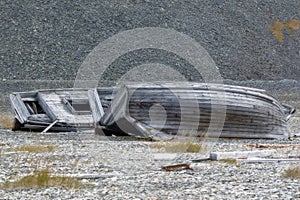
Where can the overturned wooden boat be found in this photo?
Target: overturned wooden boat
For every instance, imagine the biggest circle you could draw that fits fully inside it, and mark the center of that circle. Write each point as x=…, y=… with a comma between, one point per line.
x=168, y=110
x=155, y=110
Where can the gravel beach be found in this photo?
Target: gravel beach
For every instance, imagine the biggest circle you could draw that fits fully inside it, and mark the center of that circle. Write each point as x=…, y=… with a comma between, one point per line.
x=130, y=169
x=43, y=45
x=127, y=168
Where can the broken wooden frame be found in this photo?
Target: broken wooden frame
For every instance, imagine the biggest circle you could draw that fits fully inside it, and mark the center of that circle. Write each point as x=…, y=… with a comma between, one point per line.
x=59, y=109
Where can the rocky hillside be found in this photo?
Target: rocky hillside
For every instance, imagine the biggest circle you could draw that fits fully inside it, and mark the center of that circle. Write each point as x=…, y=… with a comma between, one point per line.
x=247, y=40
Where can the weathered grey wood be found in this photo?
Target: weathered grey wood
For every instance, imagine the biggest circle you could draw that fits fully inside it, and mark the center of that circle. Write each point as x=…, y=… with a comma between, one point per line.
x=210, y=87
x=29, y=95
x=29, y=99
x=54, y=128
x=22, y=106
x=95, y=104
x=250, y=113
x=70, y=107
x=16, y=109
x=117, y=109
x=50, y=126
x=240, y=154
x=42, y=123
x=30, y=110
x=19, y=108
x=46, y=107
x=39, y=118
x=51, y=103
x=267, y=160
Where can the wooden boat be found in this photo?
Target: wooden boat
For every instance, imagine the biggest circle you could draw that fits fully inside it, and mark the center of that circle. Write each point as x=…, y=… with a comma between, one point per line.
x=57, y=110
x=204, y=110
x=155, y=110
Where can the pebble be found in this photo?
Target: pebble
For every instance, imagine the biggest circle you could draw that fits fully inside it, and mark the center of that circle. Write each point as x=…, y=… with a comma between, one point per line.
x=132, y=177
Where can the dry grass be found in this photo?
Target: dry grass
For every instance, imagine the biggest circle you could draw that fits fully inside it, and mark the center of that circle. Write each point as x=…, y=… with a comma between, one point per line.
x=42, y=179
x=6, y=120
x=35, y=148
x=178, y=146
x=293, y=24
x=277, y=27
x=228, y=161
x=276, y=30
x=292, y=173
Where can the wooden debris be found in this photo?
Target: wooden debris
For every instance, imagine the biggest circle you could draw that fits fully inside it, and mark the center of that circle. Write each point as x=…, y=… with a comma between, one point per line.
x=50, y=126
x=65, y=110
x=240, y=154
x=177, y=167
x=264, y=160
x=272, y=146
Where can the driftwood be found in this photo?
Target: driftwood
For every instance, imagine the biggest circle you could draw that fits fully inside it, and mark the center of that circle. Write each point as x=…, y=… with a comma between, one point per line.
x=264, y=160
x=177, y=167
x=50, y=126
x=240, y=154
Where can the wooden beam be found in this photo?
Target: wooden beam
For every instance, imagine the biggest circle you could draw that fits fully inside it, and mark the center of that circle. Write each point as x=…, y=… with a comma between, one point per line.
x=46, y=107
x=95, y=105
x=240, y=154
x=49, y=127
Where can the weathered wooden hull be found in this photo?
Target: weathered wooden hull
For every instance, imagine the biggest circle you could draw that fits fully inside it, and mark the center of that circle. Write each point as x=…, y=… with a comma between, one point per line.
x=195, y=108
x=156, y=110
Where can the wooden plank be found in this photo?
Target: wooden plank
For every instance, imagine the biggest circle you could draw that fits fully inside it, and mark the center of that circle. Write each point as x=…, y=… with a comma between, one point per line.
x=30, y=110
x=117, y=109
x=50, y=126
x=40, y=118
x=16, y=109
x=269, y=160
x=211, y=87
x=54, y=128
x=22, y=106
x=96, y=106
x=70, y=107
x=46, y=107
x=240, y=154
x=39, y=123
x=29, y=95
x=29, y=99
x=19, y=108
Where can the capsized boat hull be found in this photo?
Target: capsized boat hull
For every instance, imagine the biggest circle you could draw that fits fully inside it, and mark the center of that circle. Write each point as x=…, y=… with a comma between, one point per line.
x=168, y=110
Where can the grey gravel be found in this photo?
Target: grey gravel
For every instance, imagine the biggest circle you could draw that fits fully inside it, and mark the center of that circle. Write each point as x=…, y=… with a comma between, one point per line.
x=49, y=40
x=44, y=43
x=127, y=169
